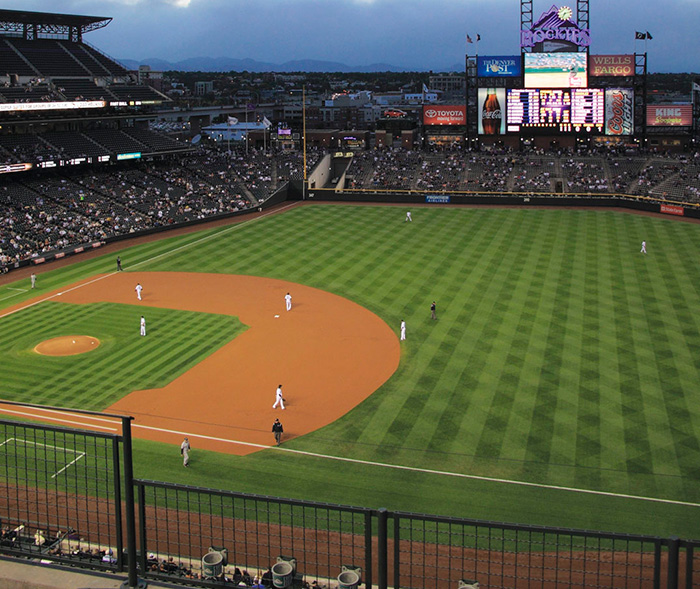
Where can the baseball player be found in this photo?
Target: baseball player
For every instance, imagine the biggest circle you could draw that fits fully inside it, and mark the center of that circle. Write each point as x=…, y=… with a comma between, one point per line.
x=288, y=301
x=185, y=451
x=33, y=279
x=138, y=290
x=403, y=330
x=644, y=248
x=143, y=325
x=408, y=216
x=279, y=400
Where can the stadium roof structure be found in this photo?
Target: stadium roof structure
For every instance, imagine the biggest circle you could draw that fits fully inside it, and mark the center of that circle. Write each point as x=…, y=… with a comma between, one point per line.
x=37, y=25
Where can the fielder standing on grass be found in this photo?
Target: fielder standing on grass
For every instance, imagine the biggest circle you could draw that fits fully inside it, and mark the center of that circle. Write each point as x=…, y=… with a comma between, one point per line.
x=33, y=279
x=185, y=451
x=277, y=429
x=403, y=330
x=143, y=325
x=644, y=248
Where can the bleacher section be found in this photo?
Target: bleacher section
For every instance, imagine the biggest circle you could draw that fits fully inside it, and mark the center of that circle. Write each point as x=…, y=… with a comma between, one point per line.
x=12, y=61
x=129, y=92
x=49, y=58
x=115, y=141
x=77, y=89
x=74, y=145
x=26, y=148
x=33, y=93
x=154, y=141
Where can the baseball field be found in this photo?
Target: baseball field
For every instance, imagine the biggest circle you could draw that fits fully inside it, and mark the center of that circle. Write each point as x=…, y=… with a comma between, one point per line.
x=558, y=385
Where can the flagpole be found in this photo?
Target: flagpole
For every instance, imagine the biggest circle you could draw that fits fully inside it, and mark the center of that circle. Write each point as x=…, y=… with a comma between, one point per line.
x=303, y=117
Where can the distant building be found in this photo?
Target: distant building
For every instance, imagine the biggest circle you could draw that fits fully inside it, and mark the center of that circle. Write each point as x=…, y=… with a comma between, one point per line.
x=203, y=88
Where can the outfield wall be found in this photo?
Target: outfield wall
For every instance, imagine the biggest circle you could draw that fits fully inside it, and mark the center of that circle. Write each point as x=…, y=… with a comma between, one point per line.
x=638, y=203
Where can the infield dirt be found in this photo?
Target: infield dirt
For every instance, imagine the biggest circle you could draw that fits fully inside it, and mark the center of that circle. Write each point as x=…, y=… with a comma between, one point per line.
x=329, y=354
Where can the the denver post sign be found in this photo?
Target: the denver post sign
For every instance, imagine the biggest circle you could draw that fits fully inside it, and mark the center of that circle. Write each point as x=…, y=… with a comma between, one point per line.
x=555, y=25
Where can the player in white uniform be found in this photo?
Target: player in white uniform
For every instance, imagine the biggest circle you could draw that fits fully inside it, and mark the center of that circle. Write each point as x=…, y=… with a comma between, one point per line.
x=644, y=248
x=138, y=290
x=288, y=301
x=279, y=400
x=408, y=216
x=403, y=330
x=185, y=451
x=143, y=325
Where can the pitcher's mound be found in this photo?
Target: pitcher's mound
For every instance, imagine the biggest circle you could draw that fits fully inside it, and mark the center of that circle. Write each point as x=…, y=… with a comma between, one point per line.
x=67, y=345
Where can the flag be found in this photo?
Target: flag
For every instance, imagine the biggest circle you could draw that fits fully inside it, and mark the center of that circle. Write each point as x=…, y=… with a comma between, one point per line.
x=696, y=87
x=638, y=35
x=266, y=122
x=425, y=89
x=469, y=39
x=478, y=37
x=232, y=121
x=649, y=36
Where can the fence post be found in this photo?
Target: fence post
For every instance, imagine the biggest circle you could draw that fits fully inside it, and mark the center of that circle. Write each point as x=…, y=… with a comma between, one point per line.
x=673, y=547
x=118, y=504
x=133, y=581
x=397, y=552
x=688, y=565
x=368, y=550
x=382, y=517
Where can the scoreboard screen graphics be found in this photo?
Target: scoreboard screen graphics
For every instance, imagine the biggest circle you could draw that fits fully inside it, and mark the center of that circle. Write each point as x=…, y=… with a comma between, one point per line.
x=556, y=111
x=556, y=70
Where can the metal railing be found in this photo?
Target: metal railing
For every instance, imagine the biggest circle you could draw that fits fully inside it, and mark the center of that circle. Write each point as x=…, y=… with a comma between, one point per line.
x=69, y=496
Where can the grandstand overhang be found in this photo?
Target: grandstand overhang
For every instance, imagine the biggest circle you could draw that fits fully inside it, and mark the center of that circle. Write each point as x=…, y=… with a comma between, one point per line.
x=46, y=25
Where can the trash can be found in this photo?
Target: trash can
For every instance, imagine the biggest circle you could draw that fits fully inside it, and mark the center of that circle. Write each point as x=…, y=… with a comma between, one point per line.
x=348, y=580
x=282, y=574
x=212, y=563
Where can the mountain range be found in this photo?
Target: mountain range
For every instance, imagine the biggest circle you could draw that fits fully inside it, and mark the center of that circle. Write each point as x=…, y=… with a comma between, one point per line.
x=228, y=64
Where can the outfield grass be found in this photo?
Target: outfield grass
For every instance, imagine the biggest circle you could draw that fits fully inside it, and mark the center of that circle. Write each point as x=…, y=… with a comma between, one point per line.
x=561, y=356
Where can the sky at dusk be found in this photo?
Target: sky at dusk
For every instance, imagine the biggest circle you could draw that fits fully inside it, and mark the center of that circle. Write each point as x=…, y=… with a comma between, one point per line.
x=413, y=34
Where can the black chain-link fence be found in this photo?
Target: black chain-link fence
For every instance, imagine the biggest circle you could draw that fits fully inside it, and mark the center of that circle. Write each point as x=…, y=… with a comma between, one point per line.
x=60, y=494
x=61, y=500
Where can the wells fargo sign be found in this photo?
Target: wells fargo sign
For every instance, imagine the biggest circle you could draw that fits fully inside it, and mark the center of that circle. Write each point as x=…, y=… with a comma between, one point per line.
x=611, y=65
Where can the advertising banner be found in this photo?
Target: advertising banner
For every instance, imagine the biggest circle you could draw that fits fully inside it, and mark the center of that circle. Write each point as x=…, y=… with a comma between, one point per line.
x=492, y=111
x=619, y=111
x=498, y=66
x=445, y=114
x=673, y=210
x=670, y=115
x=611, y=65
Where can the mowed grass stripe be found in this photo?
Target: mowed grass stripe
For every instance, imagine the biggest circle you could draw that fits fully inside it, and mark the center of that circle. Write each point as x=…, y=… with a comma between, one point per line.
x=124, y=362
x=496, y=280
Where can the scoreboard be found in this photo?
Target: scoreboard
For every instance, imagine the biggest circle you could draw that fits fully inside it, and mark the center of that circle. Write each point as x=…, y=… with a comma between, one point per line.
x=559, y=111
x=588, y=108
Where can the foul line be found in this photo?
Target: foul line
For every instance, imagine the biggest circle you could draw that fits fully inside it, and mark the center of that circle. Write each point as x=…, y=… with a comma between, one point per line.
x=35, y=416
x=427, y=470
x=195, y=242
x=63, y=448
x=382, y=464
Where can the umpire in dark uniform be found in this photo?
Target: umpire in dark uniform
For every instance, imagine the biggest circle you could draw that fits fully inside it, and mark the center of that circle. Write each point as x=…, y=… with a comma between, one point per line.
x=277, y=429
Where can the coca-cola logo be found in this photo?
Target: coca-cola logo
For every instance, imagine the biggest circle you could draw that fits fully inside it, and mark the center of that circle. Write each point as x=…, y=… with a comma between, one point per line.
x=493, y=114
